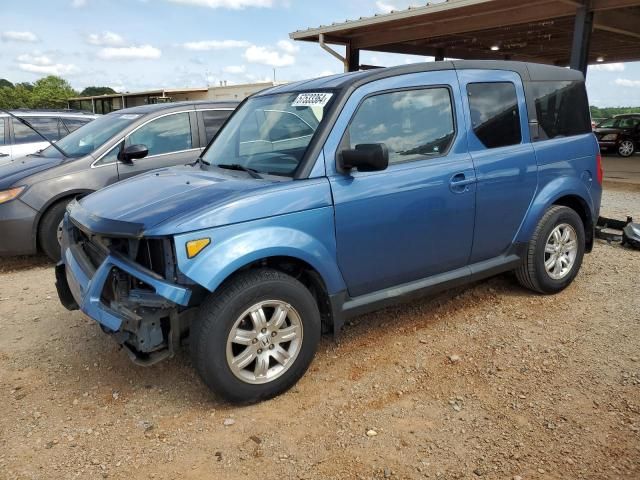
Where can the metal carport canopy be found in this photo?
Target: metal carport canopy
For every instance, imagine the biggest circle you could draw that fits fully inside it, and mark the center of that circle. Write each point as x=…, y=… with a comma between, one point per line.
x=559, y=32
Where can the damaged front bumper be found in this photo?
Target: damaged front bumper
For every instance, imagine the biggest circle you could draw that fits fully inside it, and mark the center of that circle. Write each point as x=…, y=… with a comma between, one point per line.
x=143, y=311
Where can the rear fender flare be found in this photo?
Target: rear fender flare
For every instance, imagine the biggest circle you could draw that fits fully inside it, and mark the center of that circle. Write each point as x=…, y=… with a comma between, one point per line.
x=550, y=193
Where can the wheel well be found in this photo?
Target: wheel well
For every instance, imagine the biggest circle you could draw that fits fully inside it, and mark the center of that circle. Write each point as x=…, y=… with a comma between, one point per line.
x=307, y=275
x=66, y=198
x=578, y=205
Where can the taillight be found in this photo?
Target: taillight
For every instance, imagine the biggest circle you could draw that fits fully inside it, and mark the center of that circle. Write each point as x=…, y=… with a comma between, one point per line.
x=599, y=167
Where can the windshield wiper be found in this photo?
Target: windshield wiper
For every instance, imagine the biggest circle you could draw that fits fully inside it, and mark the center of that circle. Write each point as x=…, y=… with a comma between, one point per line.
x=242, y=168
x=27, y=124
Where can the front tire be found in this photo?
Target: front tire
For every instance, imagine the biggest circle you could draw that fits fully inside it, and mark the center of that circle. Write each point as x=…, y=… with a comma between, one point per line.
x=555, y=252
x=49, y=230
x=256, y=336
x=626, y=148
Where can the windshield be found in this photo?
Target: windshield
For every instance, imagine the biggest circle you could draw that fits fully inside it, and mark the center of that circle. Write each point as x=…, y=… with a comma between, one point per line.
x=270, y=134
x=621, y=122
x=93, y=135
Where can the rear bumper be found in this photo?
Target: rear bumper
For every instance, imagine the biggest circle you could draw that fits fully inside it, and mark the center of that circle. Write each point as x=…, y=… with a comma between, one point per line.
x=16, y=224
x=80, y=285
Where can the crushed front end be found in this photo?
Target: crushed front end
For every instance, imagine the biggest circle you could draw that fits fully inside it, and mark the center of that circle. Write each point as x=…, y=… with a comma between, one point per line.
x=128, y=283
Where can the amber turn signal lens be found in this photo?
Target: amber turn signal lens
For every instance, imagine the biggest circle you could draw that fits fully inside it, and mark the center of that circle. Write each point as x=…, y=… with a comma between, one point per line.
x=194, y=247
x=10, y=194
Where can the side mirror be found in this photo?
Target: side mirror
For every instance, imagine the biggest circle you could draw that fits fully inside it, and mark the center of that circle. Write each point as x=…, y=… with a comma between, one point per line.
x=366, y=157
x=133, y=152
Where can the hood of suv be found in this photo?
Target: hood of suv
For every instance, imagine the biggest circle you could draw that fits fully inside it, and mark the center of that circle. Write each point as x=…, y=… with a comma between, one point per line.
x=177, y=197
x=12, y=173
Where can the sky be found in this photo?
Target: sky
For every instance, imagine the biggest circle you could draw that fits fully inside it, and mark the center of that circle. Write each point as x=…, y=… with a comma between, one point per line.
x=133, y=45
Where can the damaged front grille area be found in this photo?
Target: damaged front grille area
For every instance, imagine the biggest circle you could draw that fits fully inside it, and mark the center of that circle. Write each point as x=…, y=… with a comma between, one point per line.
x=150, y=326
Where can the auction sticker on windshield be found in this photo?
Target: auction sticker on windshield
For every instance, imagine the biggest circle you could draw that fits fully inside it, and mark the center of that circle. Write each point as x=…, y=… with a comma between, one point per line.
x=312, y=100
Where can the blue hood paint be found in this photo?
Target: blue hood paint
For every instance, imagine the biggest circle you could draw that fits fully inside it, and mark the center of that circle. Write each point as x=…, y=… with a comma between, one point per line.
x=13, y=173
x=181, y=199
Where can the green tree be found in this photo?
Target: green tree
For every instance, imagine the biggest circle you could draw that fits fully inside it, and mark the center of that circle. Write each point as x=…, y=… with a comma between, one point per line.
x=94, y=91
x=608, y=112
x=16, y=97
x=5, y=83
x=51, y=92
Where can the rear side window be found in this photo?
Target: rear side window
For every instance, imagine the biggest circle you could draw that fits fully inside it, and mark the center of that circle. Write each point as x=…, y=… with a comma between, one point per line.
x=2, y=128
x=413, y=124
x=50, y=127
x=213, y=120
x=75, y=123
x=495, y=116
x=562, y=109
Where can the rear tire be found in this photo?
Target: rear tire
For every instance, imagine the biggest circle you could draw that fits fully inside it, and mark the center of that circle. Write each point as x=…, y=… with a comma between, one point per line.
x=256, y=336
x=555, y=252
x=49, y=227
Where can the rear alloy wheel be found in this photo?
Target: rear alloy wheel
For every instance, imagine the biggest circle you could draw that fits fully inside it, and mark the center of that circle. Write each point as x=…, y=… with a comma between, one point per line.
x=626, y=148
x=555, y=251
x=255, y=337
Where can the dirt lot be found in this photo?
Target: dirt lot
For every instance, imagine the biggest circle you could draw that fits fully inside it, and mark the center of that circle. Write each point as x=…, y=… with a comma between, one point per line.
x=484, y=382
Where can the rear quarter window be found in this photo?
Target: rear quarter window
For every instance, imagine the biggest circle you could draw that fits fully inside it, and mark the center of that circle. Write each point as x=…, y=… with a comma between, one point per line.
x=562, y=109
x=73, y=124
x=213, y=121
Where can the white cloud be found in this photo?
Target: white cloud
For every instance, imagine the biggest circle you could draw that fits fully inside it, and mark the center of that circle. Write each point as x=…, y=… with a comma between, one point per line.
x=230, y=4
x=78, y=3
x=235, y=69
x=625, y=82
x=385, y=7
x=52, y=69
x=36, y=59
x=130, y=53
x=268, y=56
x=28, y=37
x=608, y=67
x=288, y=47
x=105, y=39
x=215, y=45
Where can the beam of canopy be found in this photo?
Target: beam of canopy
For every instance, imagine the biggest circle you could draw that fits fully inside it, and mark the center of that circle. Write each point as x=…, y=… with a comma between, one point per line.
x=539, y=31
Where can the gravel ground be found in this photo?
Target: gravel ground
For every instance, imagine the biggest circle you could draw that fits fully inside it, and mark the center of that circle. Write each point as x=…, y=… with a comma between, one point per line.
x=488, y=381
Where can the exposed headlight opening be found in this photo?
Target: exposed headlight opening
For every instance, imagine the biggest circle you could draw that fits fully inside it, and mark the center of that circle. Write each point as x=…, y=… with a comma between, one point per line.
x=12, y=193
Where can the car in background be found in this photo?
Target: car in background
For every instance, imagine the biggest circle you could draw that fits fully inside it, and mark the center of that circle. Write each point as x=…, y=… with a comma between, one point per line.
x=18, y=140
x=597, y=121
x=35, y=190
x=620, y=134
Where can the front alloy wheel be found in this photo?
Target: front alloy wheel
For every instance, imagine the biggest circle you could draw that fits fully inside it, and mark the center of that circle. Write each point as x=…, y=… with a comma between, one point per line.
x=264, y=342
x=255, y=336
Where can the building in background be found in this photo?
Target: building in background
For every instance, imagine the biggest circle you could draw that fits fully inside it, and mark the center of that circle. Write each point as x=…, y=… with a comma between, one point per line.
x=117, y=101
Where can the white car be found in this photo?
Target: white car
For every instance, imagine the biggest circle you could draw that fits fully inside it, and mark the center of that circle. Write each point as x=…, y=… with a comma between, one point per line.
x=18, y=140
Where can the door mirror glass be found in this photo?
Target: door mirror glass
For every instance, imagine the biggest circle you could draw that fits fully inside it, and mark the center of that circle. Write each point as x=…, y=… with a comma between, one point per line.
x=133, y=152
x=367, y=157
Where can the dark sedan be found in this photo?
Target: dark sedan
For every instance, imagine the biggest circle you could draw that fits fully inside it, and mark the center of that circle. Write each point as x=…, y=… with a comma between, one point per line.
x=620, y=134
x=35, y=191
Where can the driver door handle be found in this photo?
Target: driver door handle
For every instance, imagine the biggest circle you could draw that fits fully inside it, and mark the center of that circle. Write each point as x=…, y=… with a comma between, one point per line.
x=460, y=182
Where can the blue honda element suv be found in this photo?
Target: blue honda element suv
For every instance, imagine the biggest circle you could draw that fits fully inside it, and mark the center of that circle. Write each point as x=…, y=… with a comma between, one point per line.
x=328, y=198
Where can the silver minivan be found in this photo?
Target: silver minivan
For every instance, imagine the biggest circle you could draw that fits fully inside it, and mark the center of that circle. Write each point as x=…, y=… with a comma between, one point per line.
x=18, y=140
